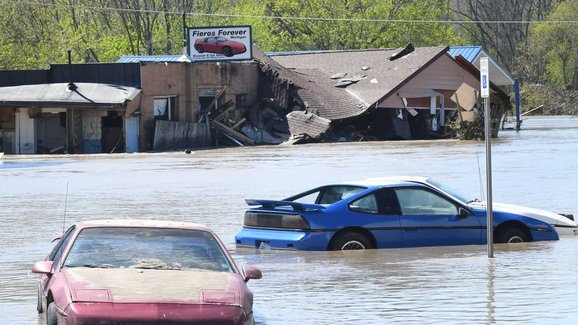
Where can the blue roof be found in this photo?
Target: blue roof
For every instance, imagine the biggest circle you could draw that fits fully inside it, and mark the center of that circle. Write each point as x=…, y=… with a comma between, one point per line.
x=153, y=58
x=468, y=52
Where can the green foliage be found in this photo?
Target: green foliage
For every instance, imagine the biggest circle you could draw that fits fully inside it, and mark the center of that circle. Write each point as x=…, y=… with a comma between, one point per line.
x=553, y=101
x=558, y=44
x=37, y=33
x=354, y=24
x=469, y=130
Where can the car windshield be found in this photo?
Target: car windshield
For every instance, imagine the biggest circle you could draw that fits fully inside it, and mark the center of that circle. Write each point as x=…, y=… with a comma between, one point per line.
x=147, y=248
x=450, y=191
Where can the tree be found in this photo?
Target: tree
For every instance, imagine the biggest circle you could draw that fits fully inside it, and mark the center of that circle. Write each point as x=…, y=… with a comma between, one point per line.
x=352, y=24
x=504, y=40
x=558, y=43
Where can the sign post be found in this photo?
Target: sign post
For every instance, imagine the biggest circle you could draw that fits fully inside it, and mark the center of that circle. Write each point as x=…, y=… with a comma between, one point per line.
x=485, y=92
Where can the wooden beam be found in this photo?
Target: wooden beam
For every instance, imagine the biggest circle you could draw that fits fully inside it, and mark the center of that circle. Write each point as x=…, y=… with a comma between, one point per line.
x=227, y=130
x=213, y=102
x=236, y=125
x=227, y=106
x=216, y=98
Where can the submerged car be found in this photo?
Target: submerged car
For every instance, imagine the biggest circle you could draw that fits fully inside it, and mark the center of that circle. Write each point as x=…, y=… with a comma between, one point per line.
x=389, y=213
x=143, y=272
x=219, y=45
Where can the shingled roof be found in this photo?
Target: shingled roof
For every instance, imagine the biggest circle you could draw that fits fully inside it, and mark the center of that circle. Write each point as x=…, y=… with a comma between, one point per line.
x=315, y=89
x=381, y=78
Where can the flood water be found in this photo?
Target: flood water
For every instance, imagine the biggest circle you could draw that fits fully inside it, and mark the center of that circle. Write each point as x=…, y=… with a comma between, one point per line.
x=531, y=283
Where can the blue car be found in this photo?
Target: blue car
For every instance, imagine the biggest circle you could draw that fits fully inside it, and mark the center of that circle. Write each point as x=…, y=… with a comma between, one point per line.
x=385, y=213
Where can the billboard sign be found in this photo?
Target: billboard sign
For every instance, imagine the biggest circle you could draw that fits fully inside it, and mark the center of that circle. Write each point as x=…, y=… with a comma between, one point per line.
x=225, y=43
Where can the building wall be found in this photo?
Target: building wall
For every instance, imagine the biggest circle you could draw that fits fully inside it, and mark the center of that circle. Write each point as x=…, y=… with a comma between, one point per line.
x=161, y=80
x=183, y=81
x=25, y=135
x=92, y=130
x=7, y=129
x=443, y=74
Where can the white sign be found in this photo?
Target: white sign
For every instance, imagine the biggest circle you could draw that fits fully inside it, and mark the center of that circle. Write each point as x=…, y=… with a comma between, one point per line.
x=224, y=43
x=484, y=77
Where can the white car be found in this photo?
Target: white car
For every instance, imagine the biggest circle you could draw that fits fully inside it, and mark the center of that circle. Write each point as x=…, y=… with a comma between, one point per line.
x=565, y=225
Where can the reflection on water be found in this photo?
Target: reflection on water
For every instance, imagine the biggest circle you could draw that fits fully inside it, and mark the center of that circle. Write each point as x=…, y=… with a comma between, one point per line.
x=28, y=164
x=526, y=283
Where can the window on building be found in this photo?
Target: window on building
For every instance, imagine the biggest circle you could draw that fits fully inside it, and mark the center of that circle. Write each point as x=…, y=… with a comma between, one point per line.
x=165, y=108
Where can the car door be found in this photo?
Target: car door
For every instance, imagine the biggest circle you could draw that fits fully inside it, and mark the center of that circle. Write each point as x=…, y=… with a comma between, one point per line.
x=213, y=45
x=209, y=44
x=378, y=212
x=429, y=218
x=55, y=256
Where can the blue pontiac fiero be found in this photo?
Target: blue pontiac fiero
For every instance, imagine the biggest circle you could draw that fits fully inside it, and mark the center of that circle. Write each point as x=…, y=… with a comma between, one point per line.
x=387, y=213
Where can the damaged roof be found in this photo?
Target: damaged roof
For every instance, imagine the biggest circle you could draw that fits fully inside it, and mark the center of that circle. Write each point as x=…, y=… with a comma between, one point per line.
x=309, y=124
x=59, y=95
x=376, y=77
x=312, y=87
x=324, y=99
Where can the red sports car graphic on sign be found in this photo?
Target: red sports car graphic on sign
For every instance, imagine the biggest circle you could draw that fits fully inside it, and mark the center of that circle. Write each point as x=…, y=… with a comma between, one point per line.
x=220, y=45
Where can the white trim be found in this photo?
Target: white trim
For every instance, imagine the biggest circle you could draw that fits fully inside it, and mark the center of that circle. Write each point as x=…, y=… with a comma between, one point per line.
x=496, y=65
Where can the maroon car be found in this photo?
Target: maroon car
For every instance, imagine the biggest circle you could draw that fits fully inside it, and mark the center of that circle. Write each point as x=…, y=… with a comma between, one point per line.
x=143, y=272
x=220, y=45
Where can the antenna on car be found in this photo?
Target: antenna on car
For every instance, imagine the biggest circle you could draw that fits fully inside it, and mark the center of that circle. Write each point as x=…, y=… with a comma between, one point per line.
x=65, y=203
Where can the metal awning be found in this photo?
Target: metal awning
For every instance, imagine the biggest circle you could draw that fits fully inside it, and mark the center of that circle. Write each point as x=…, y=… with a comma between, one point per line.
x=84, y=95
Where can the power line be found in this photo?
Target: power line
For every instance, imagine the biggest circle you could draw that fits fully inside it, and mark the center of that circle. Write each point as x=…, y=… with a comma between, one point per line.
x=314, y=19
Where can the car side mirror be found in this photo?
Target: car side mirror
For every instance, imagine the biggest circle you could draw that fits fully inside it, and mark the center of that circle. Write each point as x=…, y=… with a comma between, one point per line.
x=463, y=213
x=44, y=267
x=251, y=272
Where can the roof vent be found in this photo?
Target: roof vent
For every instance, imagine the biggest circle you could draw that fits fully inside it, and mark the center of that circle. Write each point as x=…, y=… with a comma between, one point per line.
x=407, y=50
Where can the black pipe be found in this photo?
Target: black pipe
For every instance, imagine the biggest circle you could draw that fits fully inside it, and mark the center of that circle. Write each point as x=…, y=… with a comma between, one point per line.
x=71, y=85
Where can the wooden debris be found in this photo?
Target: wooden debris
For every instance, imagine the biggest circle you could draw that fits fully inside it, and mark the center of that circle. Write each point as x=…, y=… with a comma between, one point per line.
x=220, y=127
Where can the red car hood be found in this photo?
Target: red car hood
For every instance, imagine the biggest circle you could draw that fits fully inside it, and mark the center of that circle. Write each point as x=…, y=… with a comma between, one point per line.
x=154, y=286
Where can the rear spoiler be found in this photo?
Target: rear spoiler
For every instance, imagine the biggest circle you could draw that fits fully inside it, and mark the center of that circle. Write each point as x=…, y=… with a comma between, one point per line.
x=271, y=204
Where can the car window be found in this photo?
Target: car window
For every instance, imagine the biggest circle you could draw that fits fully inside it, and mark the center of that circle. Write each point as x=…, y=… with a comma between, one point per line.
x=332, y=194
x=56, y=253
x=387, y=201
x=308, y=198
x=147, y=248
x=366, y=204
x=327, y=195
x=415, y=202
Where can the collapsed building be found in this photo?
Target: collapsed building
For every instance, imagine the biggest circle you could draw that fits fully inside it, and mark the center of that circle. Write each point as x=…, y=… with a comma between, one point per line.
x=385, y=94
x=160, y=103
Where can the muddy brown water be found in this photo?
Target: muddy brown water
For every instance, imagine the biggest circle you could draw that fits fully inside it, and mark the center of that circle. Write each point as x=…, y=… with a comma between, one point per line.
x=531, y=283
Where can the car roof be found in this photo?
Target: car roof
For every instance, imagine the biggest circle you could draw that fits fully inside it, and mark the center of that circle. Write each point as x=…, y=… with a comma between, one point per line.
x=390, y=180
x=132, y=223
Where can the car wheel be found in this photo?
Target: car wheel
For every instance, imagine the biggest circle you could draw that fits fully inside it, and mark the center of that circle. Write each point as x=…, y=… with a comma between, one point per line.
x=227, y=51
x=51, y=314
x=39, y=302
x=512, y=235
x=199, y=48
x=350, y=241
